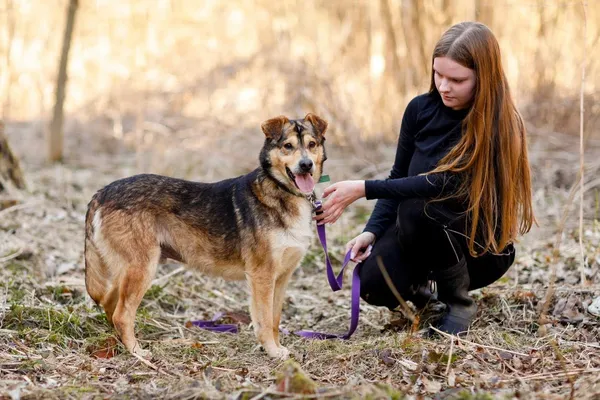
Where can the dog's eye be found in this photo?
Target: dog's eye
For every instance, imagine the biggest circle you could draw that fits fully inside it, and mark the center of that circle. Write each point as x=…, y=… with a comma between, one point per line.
x=312, y=144
x=288, y=146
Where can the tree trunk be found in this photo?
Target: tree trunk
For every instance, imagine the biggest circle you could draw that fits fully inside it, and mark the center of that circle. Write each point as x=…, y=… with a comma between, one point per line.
x=392, y=64
x=10, y=171
x=8, y=72
x=55, y=139
x=416, y=41
x=484, y=13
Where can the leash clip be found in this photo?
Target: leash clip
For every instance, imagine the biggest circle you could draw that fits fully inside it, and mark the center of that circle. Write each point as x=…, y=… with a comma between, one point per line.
x=316, y=204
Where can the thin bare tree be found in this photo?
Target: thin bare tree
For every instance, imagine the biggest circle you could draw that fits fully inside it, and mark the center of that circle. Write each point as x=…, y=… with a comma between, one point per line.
x=392, y=65
x=484, y=12
x=581, y=146
x=8, y=73
x=10, y=170
x=413, y=14
x=55, y=137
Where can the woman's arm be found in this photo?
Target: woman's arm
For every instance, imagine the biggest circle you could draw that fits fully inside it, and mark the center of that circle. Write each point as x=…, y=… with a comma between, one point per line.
x=342, y=194
x=385, y=210
x=427, y=186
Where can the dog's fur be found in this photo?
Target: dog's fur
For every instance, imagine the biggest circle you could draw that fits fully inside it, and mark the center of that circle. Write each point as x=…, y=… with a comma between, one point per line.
x=255, y=227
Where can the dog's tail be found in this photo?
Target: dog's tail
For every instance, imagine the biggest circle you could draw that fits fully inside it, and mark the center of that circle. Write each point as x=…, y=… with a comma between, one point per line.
x=92, y=259
x=89, y=217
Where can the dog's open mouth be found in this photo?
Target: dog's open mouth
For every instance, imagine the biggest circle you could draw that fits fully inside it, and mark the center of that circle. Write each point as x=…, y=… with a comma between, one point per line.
x=304, y=182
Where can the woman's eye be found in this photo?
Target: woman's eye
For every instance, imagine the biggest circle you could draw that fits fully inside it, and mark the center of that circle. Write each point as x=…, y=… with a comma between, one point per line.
x=288, y=146
x=312, y=145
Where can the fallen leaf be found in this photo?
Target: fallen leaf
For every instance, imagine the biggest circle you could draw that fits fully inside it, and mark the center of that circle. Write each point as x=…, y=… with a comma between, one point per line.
x=517, y=364
x=569, y=309
x=431, y=386
x=384, y=356
x=105, y=349
x=594, y=308
x=238, y=317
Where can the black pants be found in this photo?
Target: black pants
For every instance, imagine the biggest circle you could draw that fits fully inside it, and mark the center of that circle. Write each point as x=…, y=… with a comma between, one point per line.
x=423, y=241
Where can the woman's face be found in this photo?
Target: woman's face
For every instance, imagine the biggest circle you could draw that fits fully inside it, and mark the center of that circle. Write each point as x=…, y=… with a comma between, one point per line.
x=454, y=82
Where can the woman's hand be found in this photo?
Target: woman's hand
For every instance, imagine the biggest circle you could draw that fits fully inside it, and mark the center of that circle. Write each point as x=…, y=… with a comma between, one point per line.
x=339, y=196
x=360, y=246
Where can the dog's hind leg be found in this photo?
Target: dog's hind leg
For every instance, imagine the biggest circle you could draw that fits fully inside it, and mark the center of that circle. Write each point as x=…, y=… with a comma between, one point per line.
x=99, y=280
x=133, y=283
x=262, y=289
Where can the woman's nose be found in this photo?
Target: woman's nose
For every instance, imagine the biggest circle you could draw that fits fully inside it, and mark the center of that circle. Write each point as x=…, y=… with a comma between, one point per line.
x=444, y=87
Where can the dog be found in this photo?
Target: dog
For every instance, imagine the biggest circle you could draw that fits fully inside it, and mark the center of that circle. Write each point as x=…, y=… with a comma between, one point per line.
x=255, y=227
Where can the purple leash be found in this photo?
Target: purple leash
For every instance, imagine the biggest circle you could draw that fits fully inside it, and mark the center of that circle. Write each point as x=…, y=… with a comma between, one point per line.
x=355, y=310
x=335, y=283
x=212, y=325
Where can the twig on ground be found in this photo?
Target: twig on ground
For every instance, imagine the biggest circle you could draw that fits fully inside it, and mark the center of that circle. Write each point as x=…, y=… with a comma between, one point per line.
x=405, y=308
x=164, y=278
x=150, y=365
x=460, y=340
x=11, y=256
x=449, y=356
x=553, y=375
x=19, y=207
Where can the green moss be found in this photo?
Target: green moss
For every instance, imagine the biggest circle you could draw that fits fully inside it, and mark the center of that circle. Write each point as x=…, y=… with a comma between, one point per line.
x=291, y=379
x=441, y=358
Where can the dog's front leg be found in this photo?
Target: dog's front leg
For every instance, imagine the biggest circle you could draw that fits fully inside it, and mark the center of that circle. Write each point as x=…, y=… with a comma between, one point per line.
x=279, y=295
x=262, y=289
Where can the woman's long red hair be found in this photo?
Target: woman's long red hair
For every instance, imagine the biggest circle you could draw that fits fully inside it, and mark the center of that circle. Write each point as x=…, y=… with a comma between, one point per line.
x=492, y=153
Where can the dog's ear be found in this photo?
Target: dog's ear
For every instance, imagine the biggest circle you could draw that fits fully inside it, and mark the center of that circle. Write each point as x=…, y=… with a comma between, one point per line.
x=273, y=128
x=318, y=123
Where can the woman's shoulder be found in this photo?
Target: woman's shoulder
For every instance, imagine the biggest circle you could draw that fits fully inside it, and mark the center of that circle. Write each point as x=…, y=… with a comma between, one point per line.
x=421, y=103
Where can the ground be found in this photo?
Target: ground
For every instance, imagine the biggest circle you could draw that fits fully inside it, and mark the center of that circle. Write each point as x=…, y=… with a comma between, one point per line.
x=55, y=343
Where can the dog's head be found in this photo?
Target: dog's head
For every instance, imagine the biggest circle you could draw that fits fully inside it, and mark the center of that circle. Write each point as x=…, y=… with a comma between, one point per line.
x=294, y=152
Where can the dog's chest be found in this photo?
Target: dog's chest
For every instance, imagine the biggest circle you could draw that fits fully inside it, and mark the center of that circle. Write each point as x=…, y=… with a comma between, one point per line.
x=297, y=235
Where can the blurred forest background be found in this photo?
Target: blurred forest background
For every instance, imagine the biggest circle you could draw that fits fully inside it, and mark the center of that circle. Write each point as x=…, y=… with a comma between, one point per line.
x=180, y=87
x=140, y=71
x=185, y=84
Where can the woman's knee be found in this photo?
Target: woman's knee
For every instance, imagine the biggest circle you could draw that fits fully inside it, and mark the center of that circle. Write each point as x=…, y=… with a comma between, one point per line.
x=485, y=270
x=375, y=290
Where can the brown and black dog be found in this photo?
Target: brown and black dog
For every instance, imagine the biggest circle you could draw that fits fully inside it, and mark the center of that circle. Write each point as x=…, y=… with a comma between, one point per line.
x=255, y=227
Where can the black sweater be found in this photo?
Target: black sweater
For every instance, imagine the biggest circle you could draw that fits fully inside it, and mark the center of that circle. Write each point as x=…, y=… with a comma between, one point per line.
x=429, y=130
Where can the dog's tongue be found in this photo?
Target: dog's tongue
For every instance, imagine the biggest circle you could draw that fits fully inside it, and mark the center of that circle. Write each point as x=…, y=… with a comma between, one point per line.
x=305, y=183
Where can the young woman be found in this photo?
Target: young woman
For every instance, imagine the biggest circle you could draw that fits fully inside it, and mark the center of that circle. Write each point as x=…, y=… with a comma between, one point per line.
x=459, y=192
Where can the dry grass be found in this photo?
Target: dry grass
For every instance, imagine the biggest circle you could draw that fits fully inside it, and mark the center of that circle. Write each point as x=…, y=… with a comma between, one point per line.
x=56, y=344
x=150, y=92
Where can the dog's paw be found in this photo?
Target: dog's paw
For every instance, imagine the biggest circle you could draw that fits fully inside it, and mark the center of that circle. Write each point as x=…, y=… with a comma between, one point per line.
x=147, y=354
x=279, y=352
x=138, y=351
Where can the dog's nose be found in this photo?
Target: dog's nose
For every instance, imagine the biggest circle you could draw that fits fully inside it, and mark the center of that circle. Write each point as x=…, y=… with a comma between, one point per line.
x=306, y=164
